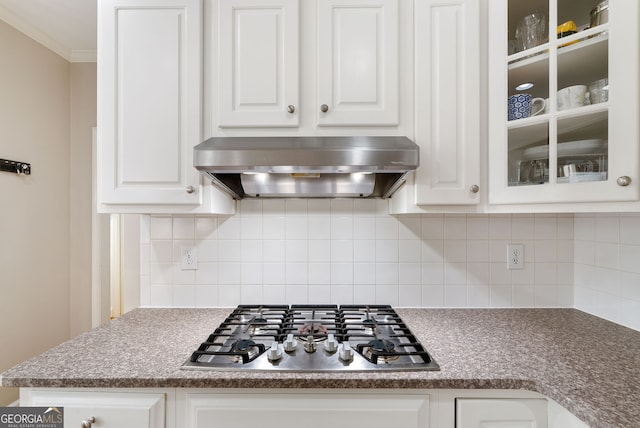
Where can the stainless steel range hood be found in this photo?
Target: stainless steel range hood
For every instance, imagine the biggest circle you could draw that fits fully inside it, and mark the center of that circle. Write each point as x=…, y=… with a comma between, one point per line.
x=307, y=167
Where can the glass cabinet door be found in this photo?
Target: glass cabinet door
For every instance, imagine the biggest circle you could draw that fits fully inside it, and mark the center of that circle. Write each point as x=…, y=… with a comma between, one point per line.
x=555, y=93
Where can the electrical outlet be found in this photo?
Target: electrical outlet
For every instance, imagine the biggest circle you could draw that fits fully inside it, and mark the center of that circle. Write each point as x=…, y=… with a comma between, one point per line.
x=188, y=258
x=515, y=256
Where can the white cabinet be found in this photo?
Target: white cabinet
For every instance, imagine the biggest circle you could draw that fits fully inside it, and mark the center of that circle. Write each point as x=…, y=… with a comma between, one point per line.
x=447, y=102
x=108, y=409
x=259, y=62
x=502, y=413
x=358, y=62
x=149, y=107
x=303, y=64
x=583, y=151
x=308, y=409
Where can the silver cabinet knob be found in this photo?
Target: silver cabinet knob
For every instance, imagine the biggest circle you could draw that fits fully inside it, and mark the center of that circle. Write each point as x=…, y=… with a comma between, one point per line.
x=190, y=189
x=625, y=180
x=324, y=108
x=474, y=188
x=86, y=423
x=291, y=109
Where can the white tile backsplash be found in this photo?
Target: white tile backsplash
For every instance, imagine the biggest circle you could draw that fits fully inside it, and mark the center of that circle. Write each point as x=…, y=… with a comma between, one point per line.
x=606, y=280
x=346, y=251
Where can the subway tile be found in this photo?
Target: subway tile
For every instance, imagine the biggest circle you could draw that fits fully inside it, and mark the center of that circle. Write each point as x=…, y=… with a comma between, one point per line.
x=295, y=207
x=545, y=273
x=297, y=294
x=341, y=273
x=433, y=296
x=161, y=295
x=321, y=207
x=455, y=227
x=409, y=296
x=478, y=273
x=387, y=295
x=432, y=251
x=251, y=250
x=161, y=251
x=273, y=273
x=364, y=207
x=184, y=296
x=500, y=296
x=386, y=228
x=296, y=227
x=296, y=273
x=477, y=227
x=229, y=296
x=319, y=273
x=272, y=250
x=545, y=296
x=500, y=227
x=251, y=294
x=409, y=227
x=183, y=277
x=342, y=250
x=409, y=251
x=229, y=227
x=545, y=251
x=273, y=227
x=630, y=230
x=274, y=293
x=319, y=250
x=387, y=250
x=455, y=250
x=608, y=229
x=478, y=296
x=630, y=285
x=364, y=293
x=183, y=227
x=319, y=227
x=432, y=227
x=207, y=273
x=584, y=227
x=523, y=296
x=251, y=273
x=229, y=274
x=364, y=273
x=455, y=296
x=522, y=227
x=455, y=274
x=296, y=251
x=630, y=258
x=160, y=227
x=341, y=295
x=545, y=226
x=272, y=207
x=250, y=207
x=206, y=296
x=432, y=274
x=319, y=295
x=386, y=273
x=409, y=274
x=608, y=255
x=206, y=227
x=478, y=250
x=251, y=227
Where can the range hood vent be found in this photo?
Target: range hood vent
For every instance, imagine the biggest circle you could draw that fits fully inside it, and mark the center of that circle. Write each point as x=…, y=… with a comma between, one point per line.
x=307, y=167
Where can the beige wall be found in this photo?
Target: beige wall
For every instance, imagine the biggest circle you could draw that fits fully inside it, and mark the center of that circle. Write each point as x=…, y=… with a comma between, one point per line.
x=43, y=217
x=83, y=118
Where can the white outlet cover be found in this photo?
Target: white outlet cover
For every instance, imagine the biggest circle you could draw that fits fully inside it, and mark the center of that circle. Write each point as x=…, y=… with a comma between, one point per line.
x=188, y=257
x=515, y=256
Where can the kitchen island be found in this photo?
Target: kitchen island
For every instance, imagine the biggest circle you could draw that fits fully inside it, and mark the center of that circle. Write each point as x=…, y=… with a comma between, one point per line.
x=586, y=364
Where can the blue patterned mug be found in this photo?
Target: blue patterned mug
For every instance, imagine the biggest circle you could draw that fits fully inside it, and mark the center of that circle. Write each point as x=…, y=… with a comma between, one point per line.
x=520, y=106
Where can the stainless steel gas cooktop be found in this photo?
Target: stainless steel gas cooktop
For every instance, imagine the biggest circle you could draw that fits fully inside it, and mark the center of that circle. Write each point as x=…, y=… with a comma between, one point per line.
x=308, y=338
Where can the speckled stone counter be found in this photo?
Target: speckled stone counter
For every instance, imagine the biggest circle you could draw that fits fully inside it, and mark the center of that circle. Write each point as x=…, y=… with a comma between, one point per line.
x=588, y=365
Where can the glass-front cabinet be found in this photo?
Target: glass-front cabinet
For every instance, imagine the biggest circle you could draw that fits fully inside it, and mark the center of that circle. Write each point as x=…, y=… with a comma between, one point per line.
x=563, y=101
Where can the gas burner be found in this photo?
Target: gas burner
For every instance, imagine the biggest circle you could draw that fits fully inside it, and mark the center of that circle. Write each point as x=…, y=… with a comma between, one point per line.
x=379, y=351
x=245, y=349
x=312, y=329
x=369, y=325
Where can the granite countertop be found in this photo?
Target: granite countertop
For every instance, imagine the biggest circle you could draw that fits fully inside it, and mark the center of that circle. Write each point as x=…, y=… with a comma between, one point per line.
x=588, y=365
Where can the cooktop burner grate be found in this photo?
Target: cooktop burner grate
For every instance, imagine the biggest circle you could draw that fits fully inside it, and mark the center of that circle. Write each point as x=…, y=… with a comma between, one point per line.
x=312, y=338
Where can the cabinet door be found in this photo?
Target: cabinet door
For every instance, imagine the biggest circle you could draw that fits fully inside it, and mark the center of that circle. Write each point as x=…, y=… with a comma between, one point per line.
x=358, y=62
x=447, y=95
x=110, y=409
x=149, y=115
x=563, y=102
x=501, y=413
x=308, y=410
x=259, y=63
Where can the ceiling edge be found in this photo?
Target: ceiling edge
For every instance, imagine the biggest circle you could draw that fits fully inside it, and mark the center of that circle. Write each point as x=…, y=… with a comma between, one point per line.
x=78, y=55
x=33, y=33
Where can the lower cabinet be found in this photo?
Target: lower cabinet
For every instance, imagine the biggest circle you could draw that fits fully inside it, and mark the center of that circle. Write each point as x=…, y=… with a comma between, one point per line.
x=503, y=413
x=103, y=409
x=311, y=410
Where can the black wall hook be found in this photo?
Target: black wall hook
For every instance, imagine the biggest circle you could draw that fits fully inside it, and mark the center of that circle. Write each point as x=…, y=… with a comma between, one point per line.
x=15, y=166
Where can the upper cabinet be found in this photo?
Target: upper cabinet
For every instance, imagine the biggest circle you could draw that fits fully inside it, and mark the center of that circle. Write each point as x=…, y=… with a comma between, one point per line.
x=447, y=102
x=149, y=108
x=259, y=63
x=563, y=101
x=357, y=62
x=280, y=63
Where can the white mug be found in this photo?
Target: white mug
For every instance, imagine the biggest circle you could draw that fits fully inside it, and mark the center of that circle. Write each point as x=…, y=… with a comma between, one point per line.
x=572, y=97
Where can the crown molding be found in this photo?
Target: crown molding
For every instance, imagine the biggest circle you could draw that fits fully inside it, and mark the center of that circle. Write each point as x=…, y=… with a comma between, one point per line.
x=34, y=33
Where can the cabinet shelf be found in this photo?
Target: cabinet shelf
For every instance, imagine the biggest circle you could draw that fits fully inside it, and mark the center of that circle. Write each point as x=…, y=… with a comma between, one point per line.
x=580, y=63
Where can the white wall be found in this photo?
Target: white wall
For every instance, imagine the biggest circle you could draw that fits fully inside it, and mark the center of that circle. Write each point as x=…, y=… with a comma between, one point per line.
x=607, y=271
x=345, y=251
x=34, y=213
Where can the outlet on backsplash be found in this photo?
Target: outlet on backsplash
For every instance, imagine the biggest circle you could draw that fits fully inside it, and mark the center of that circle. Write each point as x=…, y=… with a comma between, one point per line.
x=515, y=256
x=189, y=258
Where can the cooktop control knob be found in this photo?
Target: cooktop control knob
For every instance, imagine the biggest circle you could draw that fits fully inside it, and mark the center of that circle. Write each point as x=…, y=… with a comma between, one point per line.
x=290, y=343
x=331, y=344
x=345, y=352
x=310, y=346
x=274, y=353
